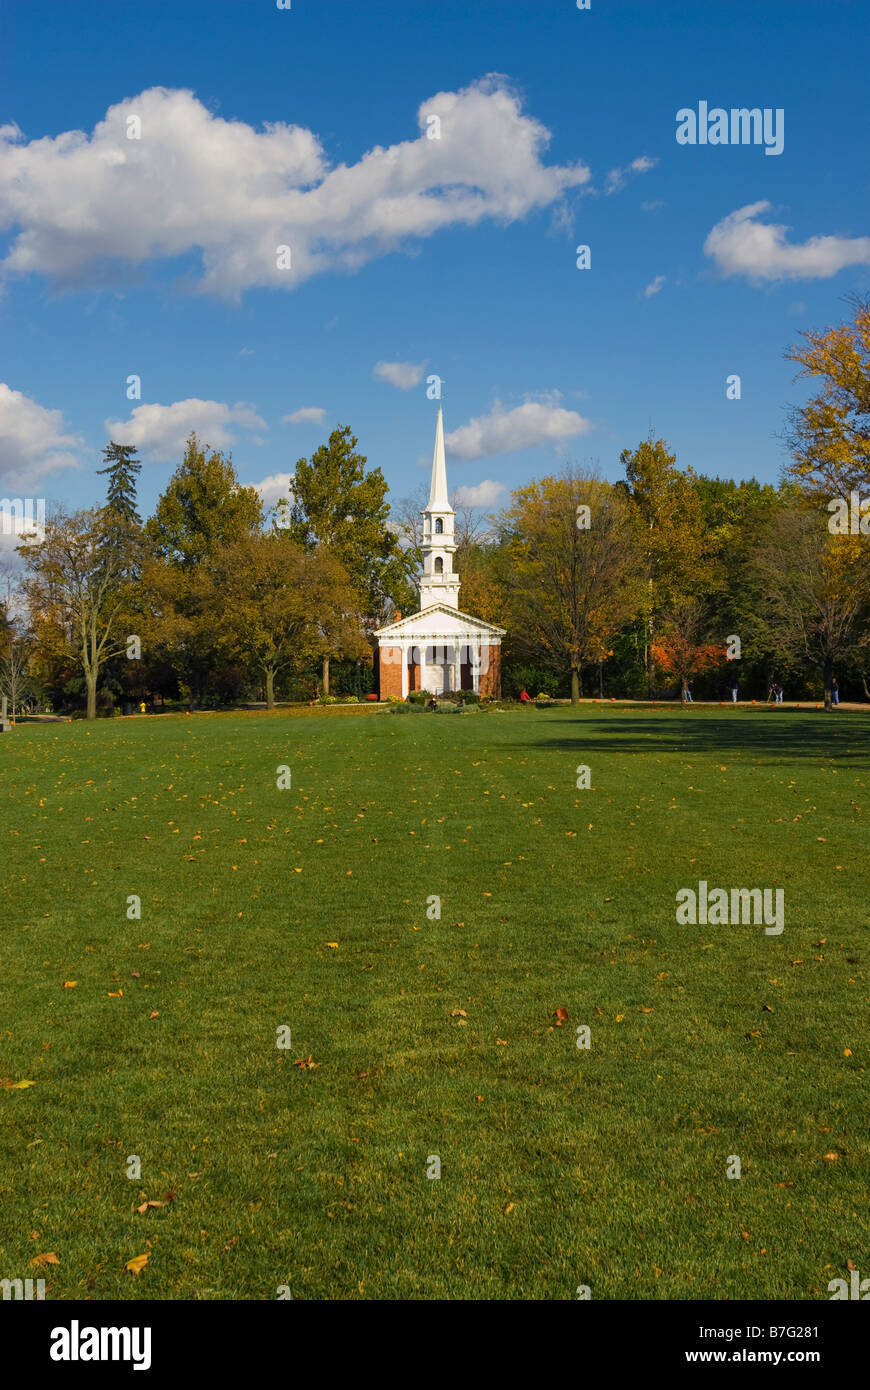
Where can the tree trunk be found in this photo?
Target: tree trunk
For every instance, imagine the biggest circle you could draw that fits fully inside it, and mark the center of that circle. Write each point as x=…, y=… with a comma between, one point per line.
x=829, y=676
x=325, y=675
x=91, y=680
x=575, y=685
x=270, y=690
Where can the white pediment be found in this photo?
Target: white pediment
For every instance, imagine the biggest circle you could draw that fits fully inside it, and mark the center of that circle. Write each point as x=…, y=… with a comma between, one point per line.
x=442, y=622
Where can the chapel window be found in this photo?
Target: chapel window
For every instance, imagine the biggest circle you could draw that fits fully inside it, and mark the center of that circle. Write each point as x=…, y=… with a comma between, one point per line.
x=439, y=565
x=439, y=526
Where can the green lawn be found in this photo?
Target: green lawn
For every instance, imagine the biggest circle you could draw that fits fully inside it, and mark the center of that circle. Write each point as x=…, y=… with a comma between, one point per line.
x=560, y=1166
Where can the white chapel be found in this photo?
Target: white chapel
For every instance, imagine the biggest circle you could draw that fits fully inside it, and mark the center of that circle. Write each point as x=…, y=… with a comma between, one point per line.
x=440, y=648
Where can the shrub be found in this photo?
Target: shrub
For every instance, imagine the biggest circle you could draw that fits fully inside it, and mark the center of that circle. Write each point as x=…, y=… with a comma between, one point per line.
x=349, y=700
x=419, y=697
x=395, y=700
x=328, y=700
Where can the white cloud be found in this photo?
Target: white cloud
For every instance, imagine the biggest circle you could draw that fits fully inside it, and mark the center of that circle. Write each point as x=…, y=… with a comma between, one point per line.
x=246, y=352
x=160, y=431
x=618, y=178
x=654, y=205
x=654, y=286
x=197, y=182
x=506, y=431
x=275, y=488
x=741, y=245
x=32, y=443
x=401, y=374
x=484, y=494
x=306, y=415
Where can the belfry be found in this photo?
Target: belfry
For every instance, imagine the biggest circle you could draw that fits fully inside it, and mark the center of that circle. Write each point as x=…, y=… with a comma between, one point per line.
x=440, y=648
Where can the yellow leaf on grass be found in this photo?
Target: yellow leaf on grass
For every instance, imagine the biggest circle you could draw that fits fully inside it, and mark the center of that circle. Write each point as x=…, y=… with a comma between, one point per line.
x=49, y=1259
x=137, y=1264
x=18, y=1085
x=70, y=984
x=145, y=1205
x=333, y=945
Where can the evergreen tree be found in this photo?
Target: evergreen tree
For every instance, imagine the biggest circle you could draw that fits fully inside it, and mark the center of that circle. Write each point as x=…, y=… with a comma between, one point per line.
x=122, y=467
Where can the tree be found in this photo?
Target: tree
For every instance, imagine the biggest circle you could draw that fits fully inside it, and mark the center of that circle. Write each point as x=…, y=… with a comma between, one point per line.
x=339, y=505
x=123, y=468
x=816, y=590
x=282, y=604
x=829, y=437
x=203, y=510
x=670, y=513
x=76, y=592
x=680, y=647
x=569, y=590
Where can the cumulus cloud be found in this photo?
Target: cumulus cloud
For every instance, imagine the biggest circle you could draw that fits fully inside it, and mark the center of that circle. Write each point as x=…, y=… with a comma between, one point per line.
x=618, y=178
x=33, y=445
x=742, y=245
x=277, y=487
x=654, y=286
x=401, y=374
x=161, y=431
x=195, y=182
x=306, y=415
x=484, y=494
x=506, y=431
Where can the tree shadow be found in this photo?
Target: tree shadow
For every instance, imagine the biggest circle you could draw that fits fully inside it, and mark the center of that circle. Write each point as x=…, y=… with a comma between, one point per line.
x=772, y=734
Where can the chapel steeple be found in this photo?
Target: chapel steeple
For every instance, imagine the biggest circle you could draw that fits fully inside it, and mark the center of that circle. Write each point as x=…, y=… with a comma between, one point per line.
x=438, y=583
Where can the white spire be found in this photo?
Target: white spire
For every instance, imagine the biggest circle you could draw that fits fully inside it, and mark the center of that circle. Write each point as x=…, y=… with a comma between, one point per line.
x=438, y=499
x=438, y=583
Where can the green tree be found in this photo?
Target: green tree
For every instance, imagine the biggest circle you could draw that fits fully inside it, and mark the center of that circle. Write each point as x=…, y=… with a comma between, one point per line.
x=122, y=467
x=281, y=605
x=337, y=504
x=569, y=588
x=77, y=593
x=203, y=508
x=672, y=539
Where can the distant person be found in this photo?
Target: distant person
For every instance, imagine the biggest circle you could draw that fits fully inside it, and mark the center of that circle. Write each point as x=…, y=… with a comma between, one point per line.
x=734, y=691
x=525, y=697
x=433, y=703
x=778, y=693
x=835, y=691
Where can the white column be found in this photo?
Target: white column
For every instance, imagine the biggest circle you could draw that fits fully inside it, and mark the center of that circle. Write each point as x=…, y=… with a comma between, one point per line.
x=475, y=668
x=424, y=679
x=404, y=670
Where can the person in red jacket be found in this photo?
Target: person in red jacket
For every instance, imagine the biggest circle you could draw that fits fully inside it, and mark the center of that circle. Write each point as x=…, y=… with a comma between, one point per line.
x=525, y=696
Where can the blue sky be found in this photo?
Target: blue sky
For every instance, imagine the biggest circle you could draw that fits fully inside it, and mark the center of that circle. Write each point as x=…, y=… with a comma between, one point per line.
x=455, y=257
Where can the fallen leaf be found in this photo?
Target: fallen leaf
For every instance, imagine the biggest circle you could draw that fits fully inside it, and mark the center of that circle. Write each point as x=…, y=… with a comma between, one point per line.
x=333, y=945
x=17, y=1085
x=145, y=1205
x=156, y=1014
x=831, y=1157
x=501, y=1042
x=850, y=1265
x=561, y=1017
x=458, y=1013
x=508, y=1208
x=306, y=1063
x=70, y=984
x=49, y=1259
x=137, y=1264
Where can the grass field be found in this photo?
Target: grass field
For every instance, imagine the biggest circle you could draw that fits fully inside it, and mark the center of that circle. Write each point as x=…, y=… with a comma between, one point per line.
x=560, y=1166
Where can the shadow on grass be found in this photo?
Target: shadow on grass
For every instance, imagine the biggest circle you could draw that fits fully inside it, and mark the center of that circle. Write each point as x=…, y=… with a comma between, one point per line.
x=769, y=734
